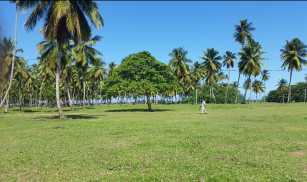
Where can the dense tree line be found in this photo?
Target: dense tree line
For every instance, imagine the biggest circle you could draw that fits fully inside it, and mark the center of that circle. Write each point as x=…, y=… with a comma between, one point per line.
x=299, y=93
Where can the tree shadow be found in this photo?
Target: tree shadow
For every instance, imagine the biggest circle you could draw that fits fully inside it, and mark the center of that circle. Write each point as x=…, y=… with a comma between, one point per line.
x=137, y=110
x=70, y=117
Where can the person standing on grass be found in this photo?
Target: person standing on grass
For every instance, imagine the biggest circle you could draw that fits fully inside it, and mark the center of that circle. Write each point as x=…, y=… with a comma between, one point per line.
x=203, y=107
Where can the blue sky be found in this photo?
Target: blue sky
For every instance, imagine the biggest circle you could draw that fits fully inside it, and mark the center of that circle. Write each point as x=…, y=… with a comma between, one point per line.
x=161, y=26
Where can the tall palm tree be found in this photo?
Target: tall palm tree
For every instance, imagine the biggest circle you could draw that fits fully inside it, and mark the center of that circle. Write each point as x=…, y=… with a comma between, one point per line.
x=85, y=55
x=197, y=74
x=243, y=35
x=250, y=61
x=63, y=21
x=293, y=56
x=179, y=65
x=8, y=64
x=229, y=58
x=13, y=53
x=258, y=87
x=212, y=66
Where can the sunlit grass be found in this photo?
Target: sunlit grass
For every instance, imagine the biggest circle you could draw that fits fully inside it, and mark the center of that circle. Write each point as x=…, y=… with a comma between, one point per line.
x=256, y=142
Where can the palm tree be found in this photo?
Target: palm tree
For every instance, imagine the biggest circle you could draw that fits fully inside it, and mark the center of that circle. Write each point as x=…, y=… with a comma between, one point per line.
x=212, y=67
x=265, y=75
x=243, y=35
x=293, y=55
x=9, y=59
x=258, y=87
x=197, y=74
x=179, y=65
x=229, y=58
x=282, y=86
x=250, y=61
x=112, y=66
x=243, y=31
x=12, y=51
x=64, y=21
x=85, y=54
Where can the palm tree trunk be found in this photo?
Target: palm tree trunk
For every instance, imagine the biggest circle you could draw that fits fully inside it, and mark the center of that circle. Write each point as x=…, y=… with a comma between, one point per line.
x=40, y=94
x=226, y=94
x=68, y=95
x=289, y=88
x=238, y=83
x=13, y=62
x=83, y=84
x=57, y=85
x=245, y=93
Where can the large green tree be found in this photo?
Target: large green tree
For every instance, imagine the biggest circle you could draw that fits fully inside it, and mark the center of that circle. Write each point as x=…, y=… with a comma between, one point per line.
x=63, y=21
x=141, y=74
x=293, y=56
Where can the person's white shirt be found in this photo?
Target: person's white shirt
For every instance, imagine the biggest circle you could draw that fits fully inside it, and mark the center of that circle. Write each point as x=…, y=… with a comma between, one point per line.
x=203, y=107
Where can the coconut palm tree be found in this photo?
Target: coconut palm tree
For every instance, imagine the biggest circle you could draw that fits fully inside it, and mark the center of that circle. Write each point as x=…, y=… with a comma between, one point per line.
x=197, y=74
x=212, y=67
x=229, y=58
x=243, y=35
x=12, y=50
x=250, y=61
x=179, y=65
x=63, y=21
x=243, y=31
x=265, y=75
x=85, y=55
x=8, y=65
x=293, y=56
x=258, y=87
x=112, y=66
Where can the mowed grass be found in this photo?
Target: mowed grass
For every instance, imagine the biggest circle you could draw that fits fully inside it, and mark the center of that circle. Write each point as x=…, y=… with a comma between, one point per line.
x=256, y=142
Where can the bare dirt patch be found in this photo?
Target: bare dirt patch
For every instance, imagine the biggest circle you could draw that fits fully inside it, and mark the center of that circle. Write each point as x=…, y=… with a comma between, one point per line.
x=297, y=154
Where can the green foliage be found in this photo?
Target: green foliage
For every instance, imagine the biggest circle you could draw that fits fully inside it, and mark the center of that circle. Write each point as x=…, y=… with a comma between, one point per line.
x=140, y=74
x=219, y=91
x=281, y=93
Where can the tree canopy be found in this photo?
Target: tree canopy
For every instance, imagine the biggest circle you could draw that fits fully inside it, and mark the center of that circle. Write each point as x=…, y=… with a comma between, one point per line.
x=141, y=74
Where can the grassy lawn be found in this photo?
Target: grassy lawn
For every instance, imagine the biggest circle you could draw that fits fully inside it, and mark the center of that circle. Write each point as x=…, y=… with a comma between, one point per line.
x=257, y=142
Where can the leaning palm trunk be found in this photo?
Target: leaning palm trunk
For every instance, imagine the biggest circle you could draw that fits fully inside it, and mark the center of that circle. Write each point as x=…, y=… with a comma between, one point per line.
x=238, y=83
x=289, y=88
x=57, y=85
x=12, y=66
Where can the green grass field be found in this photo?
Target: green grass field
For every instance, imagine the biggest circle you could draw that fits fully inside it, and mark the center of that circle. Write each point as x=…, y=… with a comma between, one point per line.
x=256, y=142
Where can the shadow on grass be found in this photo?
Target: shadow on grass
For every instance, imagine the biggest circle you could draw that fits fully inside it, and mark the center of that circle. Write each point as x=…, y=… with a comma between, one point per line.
x=70, y=116
x=137, y=110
